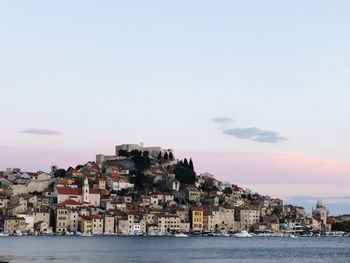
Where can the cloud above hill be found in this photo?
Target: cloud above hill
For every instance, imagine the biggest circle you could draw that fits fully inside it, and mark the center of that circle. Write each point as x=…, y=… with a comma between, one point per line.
x=223, y=120
x=41, y=132
x=255, y=134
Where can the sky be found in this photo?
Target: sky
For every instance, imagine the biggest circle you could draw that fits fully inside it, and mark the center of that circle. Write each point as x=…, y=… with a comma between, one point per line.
x=256, y=92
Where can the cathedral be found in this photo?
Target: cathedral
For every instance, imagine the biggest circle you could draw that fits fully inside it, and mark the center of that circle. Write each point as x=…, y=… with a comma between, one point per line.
x=84, y=195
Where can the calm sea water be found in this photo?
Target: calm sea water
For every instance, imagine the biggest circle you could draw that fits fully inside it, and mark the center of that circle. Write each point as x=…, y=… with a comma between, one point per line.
x=170, y=249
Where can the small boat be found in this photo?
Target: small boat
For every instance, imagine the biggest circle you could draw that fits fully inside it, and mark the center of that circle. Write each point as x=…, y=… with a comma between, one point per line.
x=180, y=235
x=18, y=233
x=242, y=234
x=3, y=234
x=86, y=235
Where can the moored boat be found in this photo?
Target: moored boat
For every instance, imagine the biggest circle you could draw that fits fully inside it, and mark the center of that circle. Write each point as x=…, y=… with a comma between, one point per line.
x=242, y=234
x=180, y=235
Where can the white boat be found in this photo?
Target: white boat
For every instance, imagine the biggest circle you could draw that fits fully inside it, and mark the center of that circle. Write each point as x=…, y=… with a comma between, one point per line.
x=242, y=234
x=86, y=235
x=4, y=234
x=263, y=235
x=18, y=233
x=180, y=235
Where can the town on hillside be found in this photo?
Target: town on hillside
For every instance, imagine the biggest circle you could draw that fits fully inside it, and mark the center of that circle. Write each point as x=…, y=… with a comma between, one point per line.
x=145, y=191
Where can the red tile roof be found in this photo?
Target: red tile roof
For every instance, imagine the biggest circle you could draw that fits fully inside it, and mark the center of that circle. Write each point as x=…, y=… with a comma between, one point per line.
x=69, y=202
x=69, y=191
x=75, y=191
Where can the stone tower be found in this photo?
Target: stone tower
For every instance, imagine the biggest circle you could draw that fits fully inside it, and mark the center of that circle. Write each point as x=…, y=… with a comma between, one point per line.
x=86, y=191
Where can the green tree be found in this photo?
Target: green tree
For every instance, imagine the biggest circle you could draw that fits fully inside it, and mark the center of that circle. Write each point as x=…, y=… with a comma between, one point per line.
x=166, y=156
x=184, y=174
x=227, y=191
x=160, y=156
x=185, y=162
x=141, y=159
x=341, y=226
x=191, y=165
x=60, y=173
x=124, y=153
x=171, y=156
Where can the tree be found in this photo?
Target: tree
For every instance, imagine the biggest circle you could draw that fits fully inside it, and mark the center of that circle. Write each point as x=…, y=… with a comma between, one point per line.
x=208, y=185
x=160, y=156
x=341, y=226
x=191, y=165
x=124, y=153
x=166, y=156
x=227, y=191
x=171, y=156
x=60, y=173
x=184, y=174
x=185, y=162
x=141, y=159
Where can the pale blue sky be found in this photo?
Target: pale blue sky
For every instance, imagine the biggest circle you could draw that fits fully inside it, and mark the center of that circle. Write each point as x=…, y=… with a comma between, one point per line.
x=109, y=72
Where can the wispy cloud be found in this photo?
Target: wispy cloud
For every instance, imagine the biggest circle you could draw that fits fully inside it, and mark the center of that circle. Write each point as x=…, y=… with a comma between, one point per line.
x=223, y=120
x=255, y=134
x=41, y=132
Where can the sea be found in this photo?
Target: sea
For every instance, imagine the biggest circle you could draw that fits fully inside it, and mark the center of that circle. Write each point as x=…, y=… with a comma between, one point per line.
x=106, y=249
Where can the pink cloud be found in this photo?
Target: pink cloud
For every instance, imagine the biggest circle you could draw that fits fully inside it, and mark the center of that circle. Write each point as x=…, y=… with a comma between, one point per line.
x=276, y=174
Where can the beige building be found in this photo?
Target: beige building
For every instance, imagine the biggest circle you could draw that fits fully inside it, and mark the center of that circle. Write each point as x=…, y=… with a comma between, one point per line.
x=168, y=223
x=248, y=216
x=74, y=220
x=41, y=216
x=14, y=224
x=97, y=224
x=193, y=194
x=86, y=224
x=218, y=218
x=109, y=224
x=3, y=201
x=62, y=220
x=126, y=225
x=41, y=227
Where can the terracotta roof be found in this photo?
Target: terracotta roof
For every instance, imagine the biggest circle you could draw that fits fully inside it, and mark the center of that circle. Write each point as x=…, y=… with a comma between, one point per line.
x=115, y=168
x=157, y=193
x=69, y=202
x=69, y=191
x=249, y=207
x=31, y=174
x=206, y=213
x=96, y=217
x=75, y=191
x=26, y=196
x=197, y=209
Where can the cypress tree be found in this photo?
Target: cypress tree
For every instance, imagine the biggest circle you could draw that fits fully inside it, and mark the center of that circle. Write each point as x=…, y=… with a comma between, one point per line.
x=191, y=165
x=185, y=163
x=160, y=156
x=166, y=156
x=171, y=156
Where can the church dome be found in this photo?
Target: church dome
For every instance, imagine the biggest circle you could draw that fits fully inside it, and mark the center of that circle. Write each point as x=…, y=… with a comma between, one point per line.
x=320, y=204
